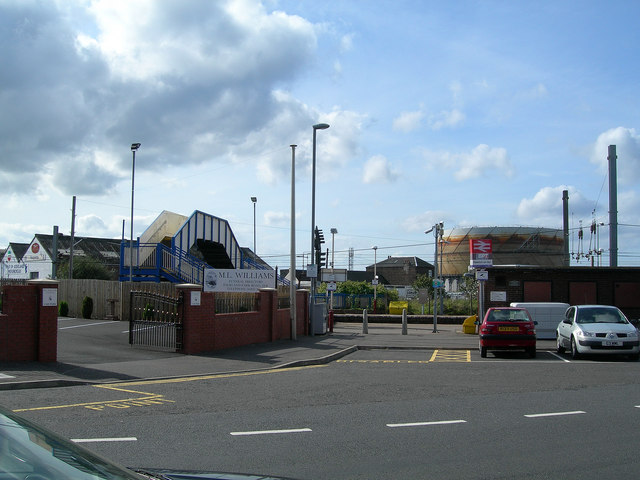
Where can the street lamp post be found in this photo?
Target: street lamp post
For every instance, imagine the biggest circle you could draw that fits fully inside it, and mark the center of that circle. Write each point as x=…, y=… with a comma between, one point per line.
x=134, y=148
x=292, y=249
x=375, y=278
x=319, y=126
x=254, y=200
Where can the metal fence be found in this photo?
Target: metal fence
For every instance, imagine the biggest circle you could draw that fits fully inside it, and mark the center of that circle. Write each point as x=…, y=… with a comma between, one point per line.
x=155, y=320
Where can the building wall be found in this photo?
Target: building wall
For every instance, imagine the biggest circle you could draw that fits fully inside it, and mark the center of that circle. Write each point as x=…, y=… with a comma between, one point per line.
x=618, y=286
x=38, y=261
x=12, y=268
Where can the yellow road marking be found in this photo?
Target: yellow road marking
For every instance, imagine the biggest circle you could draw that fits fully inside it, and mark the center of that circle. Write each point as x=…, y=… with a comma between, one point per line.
x=451, y=356
x=150, y=399
x=382, y=361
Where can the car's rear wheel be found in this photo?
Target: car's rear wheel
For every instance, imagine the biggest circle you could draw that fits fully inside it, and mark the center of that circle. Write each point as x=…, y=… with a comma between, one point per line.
x=574, y=349
x=483, y=351
x=532, y=352
x=634, y=357
x=559, y=347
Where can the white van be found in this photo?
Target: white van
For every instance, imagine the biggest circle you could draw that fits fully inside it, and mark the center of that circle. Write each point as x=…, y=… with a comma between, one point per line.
x=547, y=314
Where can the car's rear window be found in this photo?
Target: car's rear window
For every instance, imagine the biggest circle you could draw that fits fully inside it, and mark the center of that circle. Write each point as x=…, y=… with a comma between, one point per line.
x=509, y=316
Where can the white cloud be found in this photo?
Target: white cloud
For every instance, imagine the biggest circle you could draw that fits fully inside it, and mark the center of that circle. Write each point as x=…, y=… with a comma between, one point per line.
x=627, y=143
x=346, y=43
x=476, y=163
x=424, y=221
x=545, y=208
x=378, y=170
x=408, y=121
x=447, y=119
x=191, y=81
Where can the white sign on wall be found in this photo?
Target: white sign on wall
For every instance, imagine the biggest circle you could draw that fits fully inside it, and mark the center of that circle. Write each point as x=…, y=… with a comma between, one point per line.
x=238, y=280
x=498, y=296
x=49, y=297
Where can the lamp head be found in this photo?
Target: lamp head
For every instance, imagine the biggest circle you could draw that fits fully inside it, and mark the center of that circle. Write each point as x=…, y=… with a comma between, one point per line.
x=135, y=146
x=254, y=199
x=334, y=230
x=321, y=126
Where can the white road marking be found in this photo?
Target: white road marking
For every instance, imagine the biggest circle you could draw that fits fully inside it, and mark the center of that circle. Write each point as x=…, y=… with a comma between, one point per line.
x=422, y=424
x=268, y=432
x=554, y=414
x=3, y=375
x=85, y=325
x=112, y=439
x=561, y=358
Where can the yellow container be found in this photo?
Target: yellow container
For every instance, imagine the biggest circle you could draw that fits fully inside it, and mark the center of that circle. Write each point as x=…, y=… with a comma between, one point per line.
x=395, y=308
x=469, y=325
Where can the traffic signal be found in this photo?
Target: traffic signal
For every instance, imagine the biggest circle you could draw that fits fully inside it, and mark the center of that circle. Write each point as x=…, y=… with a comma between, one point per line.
x=318, y=239
x=321, y=259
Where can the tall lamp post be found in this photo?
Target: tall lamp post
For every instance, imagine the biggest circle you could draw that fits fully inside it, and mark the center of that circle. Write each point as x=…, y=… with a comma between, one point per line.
x=375, y=278
x=319, y=126
x=134, y=148
x=293, y=282
x=254, y=200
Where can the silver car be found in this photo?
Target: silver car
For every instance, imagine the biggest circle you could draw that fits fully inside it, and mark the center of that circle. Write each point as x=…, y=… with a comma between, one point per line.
x=589, y=329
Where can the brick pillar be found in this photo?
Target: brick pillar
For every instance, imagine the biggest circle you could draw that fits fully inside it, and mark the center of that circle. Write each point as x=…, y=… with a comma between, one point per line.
x=302, y=307
x=198, y=311
x=269, y=310
x=47, y=320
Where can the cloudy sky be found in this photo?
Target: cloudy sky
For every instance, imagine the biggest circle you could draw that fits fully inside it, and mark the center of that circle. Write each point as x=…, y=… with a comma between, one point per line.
x=474, y=113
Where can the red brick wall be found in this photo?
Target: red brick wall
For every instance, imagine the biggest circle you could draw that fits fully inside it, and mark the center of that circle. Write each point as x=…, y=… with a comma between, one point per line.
x=28, y=331
x=601, y=284
x=204, y=330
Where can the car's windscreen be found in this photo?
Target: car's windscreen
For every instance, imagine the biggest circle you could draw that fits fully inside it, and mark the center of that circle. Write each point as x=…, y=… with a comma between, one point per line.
x=26, y=453
x=600, y=315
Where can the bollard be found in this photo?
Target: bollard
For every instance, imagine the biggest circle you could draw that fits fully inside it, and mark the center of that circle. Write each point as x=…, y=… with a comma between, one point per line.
x=404, y=321
x=365, y=322
x=331, y=321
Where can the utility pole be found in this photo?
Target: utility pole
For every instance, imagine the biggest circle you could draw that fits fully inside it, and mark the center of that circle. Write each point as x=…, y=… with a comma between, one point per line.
x=73, y=233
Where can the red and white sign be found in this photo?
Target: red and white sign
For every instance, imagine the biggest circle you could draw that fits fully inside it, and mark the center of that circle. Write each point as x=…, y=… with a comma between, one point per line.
x=481, y=252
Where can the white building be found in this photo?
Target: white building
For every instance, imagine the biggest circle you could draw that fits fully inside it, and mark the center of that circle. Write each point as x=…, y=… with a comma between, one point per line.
x=11, y=266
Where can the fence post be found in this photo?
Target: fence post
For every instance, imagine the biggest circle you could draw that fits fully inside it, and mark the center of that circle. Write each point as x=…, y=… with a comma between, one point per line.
x=404, y=321
x=365, y=321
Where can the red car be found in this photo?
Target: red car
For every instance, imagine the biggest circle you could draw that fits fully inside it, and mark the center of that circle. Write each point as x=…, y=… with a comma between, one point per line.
x=507, y=328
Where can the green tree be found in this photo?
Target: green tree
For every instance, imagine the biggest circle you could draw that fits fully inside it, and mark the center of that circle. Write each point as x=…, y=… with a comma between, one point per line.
x=86, y=267
x=469, y=286
x=424, y=281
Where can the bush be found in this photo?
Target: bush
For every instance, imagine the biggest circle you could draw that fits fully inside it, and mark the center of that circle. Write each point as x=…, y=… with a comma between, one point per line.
x=87, y=307
x=63, y=309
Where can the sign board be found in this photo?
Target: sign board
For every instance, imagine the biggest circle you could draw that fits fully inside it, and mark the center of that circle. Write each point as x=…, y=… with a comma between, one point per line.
x=333, y=275
x=423, y=295
x=332, y=286
x=196, y=298
x=438, y=283
x=49, y=297
x=481, y=253
x=242, y=280
x=312, y=270
x=498, y=296
x=482, y=275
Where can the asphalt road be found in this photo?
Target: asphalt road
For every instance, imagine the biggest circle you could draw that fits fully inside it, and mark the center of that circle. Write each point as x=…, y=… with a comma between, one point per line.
x=370, y=415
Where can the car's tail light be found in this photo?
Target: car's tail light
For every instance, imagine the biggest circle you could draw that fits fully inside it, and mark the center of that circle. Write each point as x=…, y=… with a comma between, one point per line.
x=486, y=328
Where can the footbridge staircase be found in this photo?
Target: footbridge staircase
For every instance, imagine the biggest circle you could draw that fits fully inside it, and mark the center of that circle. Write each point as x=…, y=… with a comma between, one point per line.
x=176, y=248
